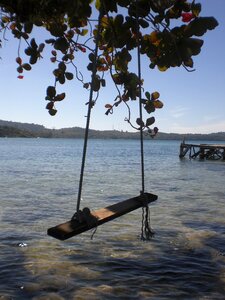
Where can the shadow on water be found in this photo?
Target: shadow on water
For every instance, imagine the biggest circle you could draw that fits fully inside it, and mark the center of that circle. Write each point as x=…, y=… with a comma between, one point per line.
x=122, y=267
x=179, y=263
x=12, y=264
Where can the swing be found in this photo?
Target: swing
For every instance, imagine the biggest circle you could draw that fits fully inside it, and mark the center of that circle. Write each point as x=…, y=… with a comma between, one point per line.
x=85, y=219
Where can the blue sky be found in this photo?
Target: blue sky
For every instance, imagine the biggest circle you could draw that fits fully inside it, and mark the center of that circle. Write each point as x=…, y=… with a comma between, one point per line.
x=193, y=102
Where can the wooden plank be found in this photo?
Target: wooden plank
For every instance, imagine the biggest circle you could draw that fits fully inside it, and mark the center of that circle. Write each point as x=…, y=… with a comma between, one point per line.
x=222, y=146
x=98, y=217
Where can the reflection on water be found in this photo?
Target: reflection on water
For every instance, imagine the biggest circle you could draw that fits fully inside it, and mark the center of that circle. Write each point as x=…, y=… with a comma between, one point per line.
x=185, y=259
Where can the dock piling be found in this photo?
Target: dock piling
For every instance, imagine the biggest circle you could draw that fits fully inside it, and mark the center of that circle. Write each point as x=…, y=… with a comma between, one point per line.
x=202, y=151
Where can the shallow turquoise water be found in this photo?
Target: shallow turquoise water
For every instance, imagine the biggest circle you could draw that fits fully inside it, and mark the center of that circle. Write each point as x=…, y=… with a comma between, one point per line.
x=38, y=189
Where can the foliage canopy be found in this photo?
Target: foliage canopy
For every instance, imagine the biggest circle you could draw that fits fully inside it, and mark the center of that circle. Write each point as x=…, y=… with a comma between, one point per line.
x=166, y=31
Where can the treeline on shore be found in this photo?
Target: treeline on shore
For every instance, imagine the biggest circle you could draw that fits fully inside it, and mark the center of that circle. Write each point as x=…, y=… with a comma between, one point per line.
x=16, y=129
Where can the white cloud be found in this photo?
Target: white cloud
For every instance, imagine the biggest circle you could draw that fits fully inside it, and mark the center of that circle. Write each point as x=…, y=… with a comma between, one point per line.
x=209, y=118
x=179, y=112
x=202, y=128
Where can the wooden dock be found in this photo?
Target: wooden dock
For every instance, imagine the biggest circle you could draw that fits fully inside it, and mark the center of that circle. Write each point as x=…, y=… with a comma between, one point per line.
x=202, y=151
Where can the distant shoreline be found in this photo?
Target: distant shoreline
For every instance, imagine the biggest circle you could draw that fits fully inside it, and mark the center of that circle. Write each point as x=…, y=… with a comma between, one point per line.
x=27, y=130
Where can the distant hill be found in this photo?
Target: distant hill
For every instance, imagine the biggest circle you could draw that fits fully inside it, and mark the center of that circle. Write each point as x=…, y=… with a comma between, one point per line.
x=218, y=136
x=16, y=129
x=23, y=126
x=7, y=131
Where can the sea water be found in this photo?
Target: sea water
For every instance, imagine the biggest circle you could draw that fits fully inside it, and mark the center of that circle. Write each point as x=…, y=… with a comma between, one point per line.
x=39, y=181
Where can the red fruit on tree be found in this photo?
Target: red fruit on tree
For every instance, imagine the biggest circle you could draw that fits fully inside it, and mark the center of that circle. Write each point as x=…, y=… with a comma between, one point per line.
x=187, y=17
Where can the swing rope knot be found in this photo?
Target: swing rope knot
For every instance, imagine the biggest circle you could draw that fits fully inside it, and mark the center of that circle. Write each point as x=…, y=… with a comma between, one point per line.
x=85, y=216
x=144, y=198
x=146, y=231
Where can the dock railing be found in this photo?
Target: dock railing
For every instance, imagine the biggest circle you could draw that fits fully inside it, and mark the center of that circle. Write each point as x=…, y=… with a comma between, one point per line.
x=202, y=151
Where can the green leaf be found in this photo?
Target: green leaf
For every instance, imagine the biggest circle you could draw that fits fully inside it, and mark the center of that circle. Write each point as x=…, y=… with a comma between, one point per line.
x=118, y=79
x=20, y=69
x=90, y=66
x=69, y=76
x=96, y=84
x=57, y=29
x=91, y=56
x=50, y=41
x=109, y=106
x=193, y=45
x=52, y=111
x=57, y=72
x=196, y=9
x=62, y=66
x=28, y=51
x=60, y=97
x=140, y=122
x=150, y=121
x=118, y=21
x=27, y=67
x=61, y=79
x=84, y=32
x=162, y=68
x=51, y=91
x=28, y=26
x=61, y=44
x=98, y=4
x=41, y=47
x=24, y=35
x=149, y=107
x=50, y=105
x=189, y=63
x=5, y=19
x=200, y=25
x=33, y=44
x=152, y=65
x=33, y=59
x=143, y=23
x=158, y=104
x=211, y=23
x=148, y=96
x=155, y=95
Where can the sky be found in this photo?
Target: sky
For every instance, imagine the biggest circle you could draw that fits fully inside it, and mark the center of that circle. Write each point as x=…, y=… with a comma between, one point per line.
x=194, y=102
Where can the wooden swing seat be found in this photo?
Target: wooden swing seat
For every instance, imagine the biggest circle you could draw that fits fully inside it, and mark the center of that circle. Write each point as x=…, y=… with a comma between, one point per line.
x=98, y=217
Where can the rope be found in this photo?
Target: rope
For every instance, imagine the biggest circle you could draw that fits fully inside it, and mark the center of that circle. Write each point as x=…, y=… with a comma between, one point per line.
x=146, y=231
x=90, y=105
x=140, y=108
